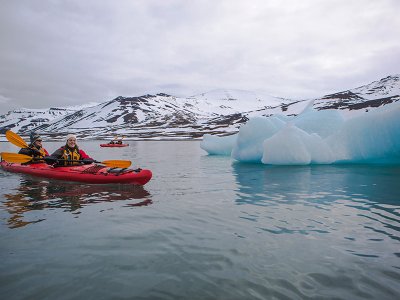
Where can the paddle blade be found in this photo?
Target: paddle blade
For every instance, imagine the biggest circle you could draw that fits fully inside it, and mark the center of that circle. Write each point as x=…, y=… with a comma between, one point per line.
x=117, y=163
x=15, y=139
x=15, y=157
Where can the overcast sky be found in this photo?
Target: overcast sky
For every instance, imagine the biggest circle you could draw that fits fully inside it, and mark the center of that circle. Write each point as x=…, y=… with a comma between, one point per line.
x=60, y=53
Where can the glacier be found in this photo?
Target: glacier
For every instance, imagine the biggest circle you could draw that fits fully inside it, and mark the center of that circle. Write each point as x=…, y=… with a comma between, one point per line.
x=314, y=137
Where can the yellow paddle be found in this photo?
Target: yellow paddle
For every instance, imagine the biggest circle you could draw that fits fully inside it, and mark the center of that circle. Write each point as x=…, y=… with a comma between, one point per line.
x=22, y=158
x=15, y=157
x=15, y=139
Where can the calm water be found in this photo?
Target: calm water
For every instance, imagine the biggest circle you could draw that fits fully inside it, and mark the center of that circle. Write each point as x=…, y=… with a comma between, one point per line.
x=203, y=228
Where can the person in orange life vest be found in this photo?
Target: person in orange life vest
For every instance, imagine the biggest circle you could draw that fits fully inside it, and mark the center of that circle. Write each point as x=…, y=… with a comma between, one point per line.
x=70, y=154
x=35, y=148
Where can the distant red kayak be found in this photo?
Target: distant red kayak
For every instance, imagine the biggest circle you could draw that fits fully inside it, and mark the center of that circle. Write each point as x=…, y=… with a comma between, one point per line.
x=92, y=173
x=114, y=145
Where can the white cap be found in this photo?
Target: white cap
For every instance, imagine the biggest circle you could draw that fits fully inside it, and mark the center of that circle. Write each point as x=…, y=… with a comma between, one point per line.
x=69, y=136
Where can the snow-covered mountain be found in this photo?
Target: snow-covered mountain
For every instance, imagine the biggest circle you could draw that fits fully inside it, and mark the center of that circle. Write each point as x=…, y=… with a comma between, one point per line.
x=27, y=119
x=375, y=94
x=164, y=116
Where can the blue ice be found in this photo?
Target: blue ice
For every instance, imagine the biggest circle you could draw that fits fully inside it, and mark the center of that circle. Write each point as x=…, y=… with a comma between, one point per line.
x=315, y=137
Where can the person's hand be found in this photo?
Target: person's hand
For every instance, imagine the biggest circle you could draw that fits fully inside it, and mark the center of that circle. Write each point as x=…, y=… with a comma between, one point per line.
x=50, y=160
x=87, y=161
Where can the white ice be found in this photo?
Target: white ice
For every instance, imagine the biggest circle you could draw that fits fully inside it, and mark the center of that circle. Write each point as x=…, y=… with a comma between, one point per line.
x=315, y=137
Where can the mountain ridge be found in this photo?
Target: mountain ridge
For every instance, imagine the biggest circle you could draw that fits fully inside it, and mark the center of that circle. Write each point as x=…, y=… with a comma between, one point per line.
x=163, y=116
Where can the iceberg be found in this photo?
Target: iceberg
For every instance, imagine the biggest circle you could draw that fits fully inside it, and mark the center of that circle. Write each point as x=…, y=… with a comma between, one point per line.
x=315, y=137
x=294, y=146
x=248, y=144
x=217, y=145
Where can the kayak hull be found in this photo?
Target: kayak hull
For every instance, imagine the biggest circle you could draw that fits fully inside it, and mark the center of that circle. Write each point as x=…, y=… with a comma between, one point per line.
x=93, y=173
x=114, y=145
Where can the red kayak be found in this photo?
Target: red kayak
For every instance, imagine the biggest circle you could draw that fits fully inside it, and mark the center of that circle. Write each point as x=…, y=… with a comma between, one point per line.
x=114, y=145
x=92, y=173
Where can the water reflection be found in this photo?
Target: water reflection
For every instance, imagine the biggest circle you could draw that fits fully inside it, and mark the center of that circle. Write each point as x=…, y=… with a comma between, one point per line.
x=262, y=185
x=36, y=194
x=305, y=199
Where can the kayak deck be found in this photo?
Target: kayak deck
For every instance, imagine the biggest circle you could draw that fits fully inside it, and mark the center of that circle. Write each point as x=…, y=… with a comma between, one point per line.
x=93, y=173
x=114, y=145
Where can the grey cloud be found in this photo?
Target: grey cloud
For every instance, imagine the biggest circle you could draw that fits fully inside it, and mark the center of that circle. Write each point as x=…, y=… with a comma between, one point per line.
x=72, y=52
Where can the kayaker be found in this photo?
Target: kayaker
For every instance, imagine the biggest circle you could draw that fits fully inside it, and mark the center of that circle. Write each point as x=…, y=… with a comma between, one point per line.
x=35, y=148
x=70, y=154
